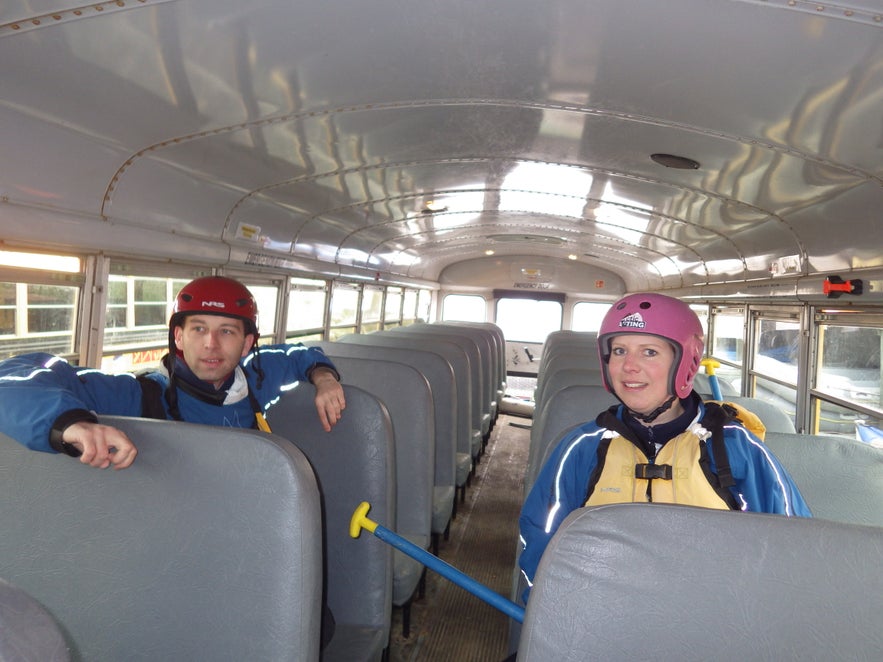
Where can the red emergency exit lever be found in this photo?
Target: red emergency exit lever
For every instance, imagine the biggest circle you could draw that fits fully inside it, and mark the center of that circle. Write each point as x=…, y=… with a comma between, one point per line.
x=834, y=286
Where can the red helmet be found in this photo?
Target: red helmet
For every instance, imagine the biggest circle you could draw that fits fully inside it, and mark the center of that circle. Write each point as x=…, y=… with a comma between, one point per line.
x=661, y=316
x=216, y=295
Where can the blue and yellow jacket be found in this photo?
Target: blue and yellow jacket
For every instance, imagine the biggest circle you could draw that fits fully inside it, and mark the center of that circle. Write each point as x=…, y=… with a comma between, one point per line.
x=39, y=391
x=596, y=462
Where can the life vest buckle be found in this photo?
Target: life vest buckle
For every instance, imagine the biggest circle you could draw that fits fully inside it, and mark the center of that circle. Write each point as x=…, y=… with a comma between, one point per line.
x=651, y=471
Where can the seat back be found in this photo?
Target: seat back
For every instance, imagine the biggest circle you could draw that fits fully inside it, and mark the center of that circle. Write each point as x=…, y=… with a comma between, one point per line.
x=354, y=462
x=564, y=377
x=572, y=339
x=840, y=479
x=440, y=375
x=408, y=398
x=28, y=633
x=583, y=358
x=207, y=547
x=485, y=355
x=773, y=418
x=702, y=385
x=661, y=582
x=481, y=401
x=494, y=338
x=454, y=355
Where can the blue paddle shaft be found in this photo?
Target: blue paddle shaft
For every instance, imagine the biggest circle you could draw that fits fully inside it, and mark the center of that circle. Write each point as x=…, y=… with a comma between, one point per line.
x=449, y=572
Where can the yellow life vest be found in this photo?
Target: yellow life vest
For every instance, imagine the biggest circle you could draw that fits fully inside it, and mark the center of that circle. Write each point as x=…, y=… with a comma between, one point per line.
x=677, y=475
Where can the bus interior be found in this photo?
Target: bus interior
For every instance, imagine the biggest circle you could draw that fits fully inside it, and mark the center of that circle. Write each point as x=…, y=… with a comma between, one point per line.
x=445, y=197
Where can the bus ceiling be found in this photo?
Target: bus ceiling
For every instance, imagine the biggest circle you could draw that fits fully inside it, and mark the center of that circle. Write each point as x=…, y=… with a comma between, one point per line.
x=373, y=140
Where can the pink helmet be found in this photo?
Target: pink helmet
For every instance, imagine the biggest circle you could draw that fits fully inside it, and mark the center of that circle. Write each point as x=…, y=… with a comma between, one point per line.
x=661, y=316
x=216, y=295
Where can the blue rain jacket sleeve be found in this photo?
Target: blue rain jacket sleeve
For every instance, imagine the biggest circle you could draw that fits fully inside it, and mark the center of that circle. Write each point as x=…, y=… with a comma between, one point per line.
x=560, y=488
x=283, y=366
x=36, y=389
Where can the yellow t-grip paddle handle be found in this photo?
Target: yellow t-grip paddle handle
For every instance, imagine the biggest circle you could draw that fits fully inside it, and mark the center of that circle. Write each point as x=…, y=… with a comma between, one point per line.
x=360, y=520
x=710, y=365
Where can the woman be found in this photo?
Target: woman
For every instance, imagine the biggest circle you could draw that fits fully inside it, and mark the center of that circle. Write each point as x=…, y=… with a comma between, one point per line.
x=662, y=444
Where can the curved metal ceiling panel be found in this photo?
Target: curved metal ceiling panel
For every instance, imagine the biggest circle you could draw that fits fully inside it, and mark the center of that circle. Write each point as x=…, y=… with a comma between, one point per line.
x=406, y=138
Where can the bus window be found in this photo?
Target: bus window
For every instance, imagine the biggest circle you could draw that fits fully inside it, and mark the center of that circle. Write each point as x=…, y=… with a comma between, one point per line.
x=392, y=313
x=848, y=370
x=774, y=367
x=424, y=303
x=777, y=345
x=344, y=309
x=7, y=309
x=372, y=300
x=37, y=318
x=528, y=320
x=136, y=331
x=726, y=342
x=588, y=316
x=306, y=310
x=409, y=307
x=266, y=297
x=39, y=297
x=463, y=308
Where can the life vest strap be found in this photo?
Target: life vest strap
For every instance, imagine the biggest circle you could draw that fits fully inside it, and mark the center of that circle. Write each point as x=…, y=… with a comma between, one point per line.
x=651, y=471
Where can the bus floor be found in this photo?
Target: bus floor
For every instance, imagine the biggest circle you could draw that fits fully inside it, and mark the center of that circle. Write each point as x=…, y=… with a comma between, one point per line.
x=450, y=623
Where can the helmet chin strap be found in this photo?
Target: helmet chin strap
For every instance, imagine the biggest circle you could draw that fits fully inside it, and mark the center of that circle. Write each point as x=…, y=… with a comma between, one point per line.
x=653, y=415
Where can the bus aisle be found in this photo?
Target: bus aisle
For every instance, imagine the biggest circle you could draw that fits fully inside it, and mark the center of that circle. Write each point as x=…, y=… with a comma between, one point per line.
x=450, y=623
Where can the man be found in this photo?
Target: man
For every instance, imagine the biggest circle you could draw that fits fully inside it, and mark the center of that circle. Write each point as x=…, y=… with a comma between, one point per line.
x=214, y=374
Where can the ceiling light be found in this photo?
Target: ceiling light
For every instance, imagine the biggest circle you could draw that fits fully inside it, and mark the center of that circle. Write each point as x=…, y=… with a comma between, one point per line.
x=527, y=238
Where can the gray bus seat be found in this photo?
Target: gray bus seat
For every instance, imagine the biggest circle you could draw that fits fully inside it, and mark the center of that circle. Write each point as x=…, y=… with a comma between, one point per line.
x=568, y=338
x=408, y=398
x=499, y=343
x=354, y=462
x=207, y=547
x=564, y=341
x=561, y=378
x=773, y=418
x=440, y=375
x=568, y=356
x=483, y=353
x=491, y=349
x=582, y=359
x=489, y=384
x=479, y=406
x=28, y=633
x=702, y=385
x=840, y=478
x=663, y=582
x=468, y=437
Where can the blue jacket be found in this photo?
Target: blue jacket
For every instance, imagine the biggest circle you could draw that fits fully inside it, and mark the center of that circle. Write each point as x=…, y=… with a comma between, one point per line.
x=37, y=390
x=761, y=484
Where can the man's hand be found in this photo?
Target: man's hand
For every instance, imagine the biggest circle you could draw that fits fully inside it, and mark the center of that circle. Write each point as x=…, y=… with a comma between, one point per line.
x=101, y=445
x=330, y=401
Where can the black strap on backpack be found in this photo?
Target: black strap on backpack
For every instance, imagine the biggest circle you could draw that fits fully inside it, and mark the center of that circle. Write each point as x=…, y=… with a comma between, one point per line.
x=715, y=417
x=151, y=398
